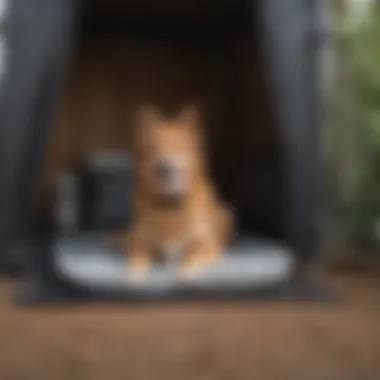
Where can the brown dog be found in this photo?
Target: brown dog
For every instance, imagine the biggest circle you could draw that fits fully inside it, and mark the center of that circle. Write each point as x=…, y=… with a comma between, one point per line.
x=178, y=215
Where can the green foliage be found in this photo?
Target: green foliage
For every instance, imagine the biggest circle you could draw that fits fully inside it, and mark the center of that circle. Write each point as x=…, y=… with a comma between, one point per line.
x=360, y=50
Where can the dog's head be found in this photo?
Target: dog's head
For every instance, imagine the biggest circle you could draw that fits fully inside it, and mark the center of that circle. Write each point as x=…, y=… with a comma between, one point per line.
x=169, y=154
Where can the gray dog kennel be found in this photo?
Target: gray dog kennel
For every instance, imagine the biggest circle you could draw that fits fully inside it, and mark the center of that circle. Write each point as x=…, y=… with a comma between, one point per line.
x=254, y=66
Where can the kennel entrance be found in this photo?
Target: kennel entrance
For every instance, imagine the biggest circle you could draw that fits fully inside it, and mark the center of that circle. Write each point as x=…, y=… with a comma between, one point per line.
x=241, y=60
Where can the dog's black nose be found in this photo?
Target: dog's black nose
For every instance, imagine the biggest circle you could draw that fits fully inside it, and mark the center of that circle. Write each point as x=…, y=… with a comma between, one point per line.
x=163, y=170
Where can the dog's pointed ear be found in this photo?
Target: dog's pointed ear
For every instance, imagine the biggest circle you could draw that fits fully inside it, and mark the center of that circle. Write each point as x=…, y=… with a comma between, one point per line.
x=149, y=118
x=190, y=116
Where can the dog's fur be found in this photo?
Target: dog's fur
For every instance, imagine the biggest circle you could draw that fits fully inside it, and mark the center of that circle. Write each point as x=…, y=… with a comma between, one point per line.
x=195, y=227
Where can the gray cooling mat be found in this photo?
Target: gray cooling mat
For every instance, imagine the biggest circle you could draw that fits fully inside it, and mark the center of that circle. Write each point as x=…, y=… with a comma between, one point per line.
x=87, y=261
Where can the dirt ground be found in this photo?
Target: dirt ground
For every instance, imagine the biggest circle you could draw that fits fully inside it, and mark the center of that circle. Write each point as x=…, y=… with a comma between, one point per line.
x=240, y=341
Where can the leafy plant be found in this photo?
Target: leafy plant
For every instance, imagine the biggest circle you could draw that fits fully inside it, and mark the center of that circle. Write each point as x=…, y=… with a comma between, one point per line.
x=360, y=53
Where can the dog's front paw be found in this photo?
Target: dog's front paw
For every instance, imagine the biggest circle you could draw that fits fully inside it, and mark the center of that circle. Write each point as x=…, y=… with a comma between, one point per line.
x=191, y=272
x=136, y=275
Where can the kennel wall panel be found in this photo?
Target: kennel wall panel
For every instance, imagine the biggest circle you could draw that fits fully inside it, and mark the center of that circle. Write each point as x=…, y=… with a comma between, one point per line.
x=109, y=78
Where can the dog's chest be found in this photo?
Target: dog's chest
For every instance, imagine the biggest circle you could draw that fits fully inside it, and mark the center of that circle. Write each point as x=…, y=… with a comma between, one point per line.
x=169, y=235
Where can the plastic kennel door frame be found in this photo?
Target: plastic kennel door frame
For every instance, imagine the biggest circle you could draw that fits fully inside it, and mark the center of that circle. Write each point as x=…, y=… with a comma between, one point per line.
x=293, y=33
x=40, y=35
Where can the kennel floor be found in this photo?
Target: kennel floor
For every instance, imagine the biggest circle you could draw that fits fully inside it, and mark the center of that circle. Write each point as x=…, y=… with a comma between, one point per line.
x=250, y=262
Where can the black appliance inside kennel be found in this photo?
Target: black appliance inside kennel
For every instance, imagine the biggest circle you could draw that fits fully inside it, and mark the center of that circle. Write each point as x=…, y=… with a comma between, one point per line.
x=71, y=263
